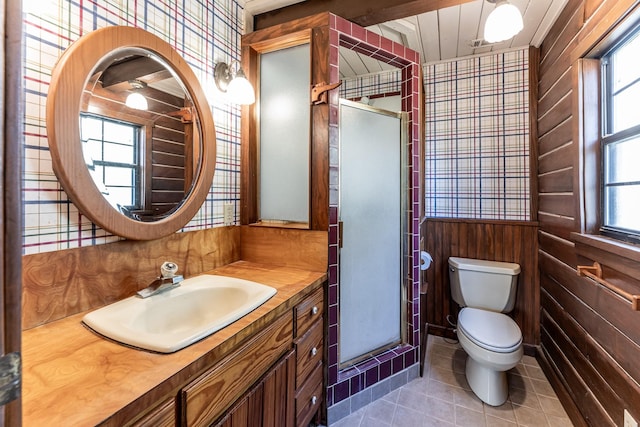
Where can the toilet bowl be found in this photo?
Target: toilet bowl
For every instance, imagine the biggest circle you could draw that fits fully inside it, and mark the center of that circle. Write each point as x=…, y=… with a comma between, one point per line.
x=493, y=343
x=492, y=340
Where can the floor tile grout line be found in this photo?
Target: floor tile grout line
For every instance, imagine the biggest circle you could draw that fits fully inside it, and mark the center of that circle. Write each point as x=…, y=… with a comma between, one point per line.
x=528, y=388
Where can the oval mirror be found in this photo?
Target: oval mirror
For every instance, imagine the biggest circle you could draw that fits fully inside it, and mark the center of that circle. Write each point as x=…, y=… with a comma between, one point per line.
x=131, y=135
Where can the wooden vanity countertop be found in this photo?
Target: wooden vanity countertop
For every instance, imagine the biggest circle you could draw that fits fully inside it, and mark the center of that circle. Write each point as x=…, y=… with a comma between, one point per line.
x=73, y=377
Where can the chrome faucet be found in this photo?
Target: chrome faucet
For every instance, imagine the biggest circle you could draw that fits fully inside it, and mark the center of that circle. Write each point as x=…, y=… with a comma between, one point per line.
x=168, y=280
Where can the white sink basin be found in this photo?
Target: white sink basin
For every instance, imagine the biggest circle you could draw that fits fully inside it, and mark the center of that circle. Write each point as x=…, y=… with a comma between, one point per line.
x=174, y=319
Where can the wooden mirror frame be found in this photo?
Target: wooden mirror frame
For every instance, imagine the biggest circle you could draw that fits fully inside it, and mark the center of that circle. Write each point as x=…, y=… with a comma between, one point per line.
x=63, y=124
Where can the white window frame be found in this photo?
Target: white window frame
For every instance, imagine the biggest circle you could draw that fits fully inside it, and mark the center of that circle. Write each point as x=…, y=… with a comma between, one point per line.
x=609, y=138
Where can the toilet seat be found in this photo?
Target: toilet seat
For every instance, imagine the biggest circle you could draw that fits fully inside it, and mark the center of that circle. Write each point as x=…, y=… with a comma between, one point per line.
x=490, y=330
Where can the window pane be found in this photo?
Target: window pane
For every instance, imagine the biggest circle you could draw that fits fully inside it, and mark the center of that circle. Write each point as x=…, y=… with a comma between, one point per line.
x=621, y=161
x=92, y=151
x=622, y=207
x=120, y=196
x=624, y=108
x=626, y=63
x=119, y=153
x=90, y=128
x=118, y=132
x=122, y=177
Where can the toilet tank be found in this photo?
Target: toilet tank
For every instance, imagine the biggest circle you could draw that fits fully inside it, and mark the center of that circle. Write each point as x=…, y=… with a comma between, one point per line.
x=490, y=285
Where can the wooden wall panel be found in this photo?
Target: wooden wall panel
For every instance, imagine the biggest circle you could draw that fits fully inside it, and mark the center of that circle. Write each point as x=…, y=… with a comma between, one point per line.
x=579, y=391
x=558, y=136
x=561, y=249
x=61, y=283
x=305, y=249
x=601, y=313
x=557, y=225
x=590, y=7
x=560, y=158
x=556, y=30
x=551, y=97
x=589, y=337
x=598, y=361
x=496, y=241
x=558, y=181
x=558, y=113
x=558, y=203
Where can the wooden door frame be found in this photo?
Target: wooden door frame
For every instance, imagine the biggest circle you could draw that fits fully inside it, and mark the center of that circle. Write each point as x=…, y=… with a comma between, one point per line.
x=11, y=128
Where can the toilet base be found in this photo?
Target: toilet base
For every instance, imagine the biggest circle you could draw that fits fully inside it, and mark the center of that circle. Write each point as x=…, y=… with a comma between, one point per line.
x=488, y=384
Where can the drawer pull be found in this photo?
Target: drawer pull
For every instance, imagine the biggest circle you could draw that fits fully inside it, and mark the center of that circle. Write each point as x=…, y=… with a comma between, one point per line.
x=314, y=400
x=314, y=351
x=314, y=310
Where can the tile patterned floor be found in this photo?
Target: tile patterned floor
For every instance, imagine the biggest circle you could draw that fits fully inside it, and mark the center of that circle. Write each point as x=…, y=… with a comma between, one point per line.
x=442, y=397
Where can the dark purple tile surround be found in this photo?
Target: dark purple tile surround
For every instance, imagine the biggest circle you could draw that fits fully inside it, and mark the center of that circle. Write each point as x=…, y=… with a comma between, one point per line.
x=343, y=384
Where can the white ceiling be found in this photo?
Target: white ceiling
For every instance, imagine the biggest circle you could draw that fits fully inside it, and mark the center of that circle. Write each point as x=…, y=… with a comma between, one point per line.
x=443, y=34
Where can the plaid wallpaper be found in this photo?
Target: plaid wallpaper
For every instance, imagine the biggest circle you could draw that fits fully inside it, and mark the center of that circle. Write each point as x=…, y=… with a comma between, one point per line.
x=385, y=82
x=477, y=137
x=202, y=31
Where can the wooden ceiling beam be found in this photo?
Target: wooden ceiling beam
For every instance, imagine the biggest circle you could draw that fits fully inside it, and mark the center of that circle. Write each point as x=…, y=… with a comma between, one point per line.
x=131, y=69
x=364, y=13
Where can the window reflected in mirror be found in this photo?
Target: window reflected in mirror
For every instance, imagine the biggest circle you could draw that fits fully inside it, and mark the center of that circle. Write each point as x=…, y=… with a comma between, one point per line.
x=142, y=160
x=112, y=152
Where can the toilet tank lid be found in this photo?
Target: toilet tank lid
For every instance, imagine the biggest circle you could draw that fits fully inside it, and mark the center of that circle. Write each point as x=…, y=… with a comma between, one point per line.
x=484, y=266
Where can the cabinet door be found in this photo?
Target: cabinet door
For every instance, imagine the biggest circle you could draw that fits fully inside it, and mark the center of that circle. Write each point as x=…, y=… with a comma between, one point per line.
x=270, y=402
x=207, y=397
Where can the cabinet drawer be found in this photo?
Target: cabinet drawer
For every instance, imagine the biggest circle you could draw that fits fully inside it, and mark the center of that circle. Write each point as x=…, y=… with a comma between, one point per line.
x=309, y=397
x=308, y=311
x=309, y=352
x=214, y=391
x=164, y=415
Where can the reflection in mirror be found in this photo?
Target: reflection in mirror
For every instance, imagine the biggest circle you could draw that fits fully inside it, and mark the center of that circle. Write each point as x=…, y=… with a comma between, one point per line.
x=139, y=171
x=142, y=154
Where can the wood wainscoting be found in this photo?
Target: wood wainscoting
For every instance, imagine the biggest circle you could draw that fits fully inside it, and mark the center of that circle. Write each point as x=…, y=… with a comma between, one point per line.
x=62, y=283
x=590, y=338
x=505, y=241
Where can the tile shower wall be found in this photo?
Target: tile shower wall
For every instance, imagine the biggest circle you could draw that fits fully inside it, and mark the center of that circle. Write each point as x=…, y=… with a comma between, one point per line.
x=202, y=31
x=346, y=387
x=477, y=137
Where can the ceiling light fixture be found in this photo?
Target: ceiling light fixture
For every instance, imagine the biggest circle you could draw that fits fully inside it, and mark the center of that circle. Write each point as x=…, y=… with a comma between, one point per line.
x=135, y=99
x=234, y=83
x=504, y=22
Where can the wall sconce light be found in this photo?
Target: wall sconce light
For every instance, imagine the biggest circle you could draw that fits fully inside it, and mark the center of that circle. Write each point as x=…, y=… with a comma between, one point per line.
x=135, y=99
x=234, y=83
x=504, y=22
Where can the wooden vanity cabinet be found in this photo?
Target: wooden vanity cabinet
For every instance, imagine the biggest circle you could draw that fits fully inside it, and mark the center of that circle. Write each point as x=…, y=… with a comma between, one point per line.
x=268, y=403
x=274, y=379
x=308, y=341
x=290, y=394
x=164, y=415
x=205, y=399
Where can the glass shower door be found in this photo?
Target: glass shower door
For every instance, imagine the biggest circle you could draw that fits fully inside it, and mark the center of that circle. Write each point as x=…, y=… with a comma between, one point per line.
x=371, y=211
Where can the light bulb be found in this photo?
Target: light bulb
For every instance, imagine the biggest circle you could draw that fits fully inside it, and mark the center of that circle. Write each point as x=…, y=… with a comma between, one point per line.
x=137, y=101
x=504, y=22
x=240, y=90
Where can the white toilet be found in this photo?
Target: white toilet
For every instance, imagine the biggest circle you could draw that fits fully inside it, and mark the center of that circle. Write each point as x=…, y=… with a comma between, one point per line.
x=491, y=339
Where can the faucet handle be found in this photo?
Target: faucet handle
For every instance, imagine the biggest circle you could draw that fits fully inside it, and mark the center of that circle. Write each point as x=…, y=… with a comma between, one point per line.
x=168, y=269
